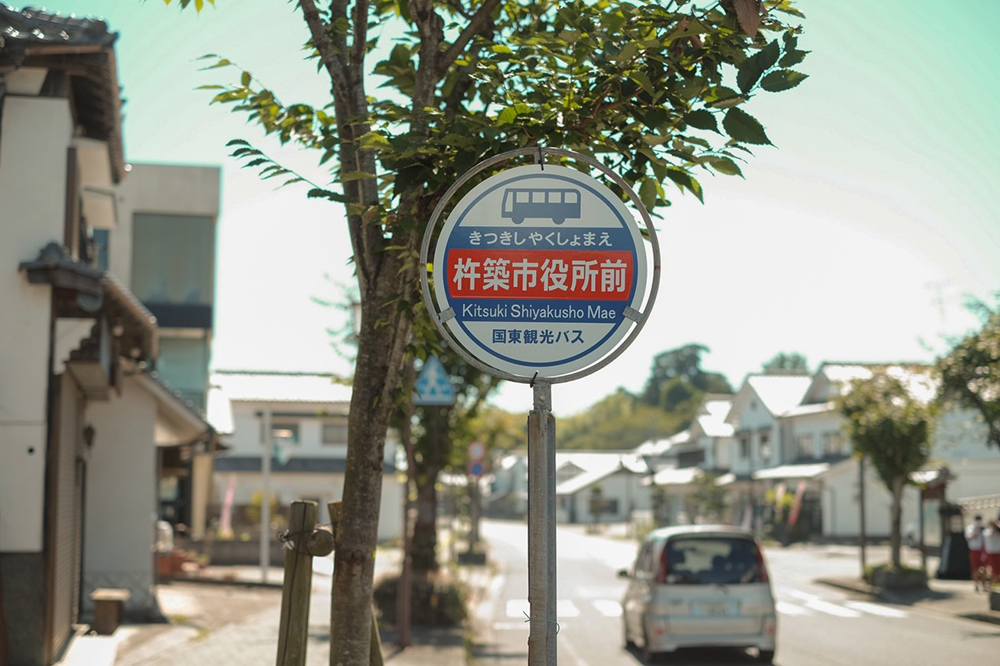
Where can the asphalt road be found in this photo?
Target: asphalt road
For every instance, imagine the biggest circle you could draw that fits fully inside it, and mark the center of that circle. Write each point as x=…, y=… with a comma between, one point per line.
x=817, y=624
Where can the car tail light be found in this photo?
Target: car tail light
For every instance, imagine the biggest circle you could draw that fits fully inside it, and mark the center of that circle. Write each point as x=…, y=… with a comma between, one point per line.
x=761, y=568
x=661, y=575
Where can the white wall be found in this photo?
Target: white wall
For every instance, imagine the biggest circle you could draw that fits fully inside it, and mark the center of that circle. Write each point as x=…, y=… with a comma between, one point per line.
x=36, y=133
x=841, y=510
x=121, y=494
x=162, y=188
x=287, y=487
x=623, y=486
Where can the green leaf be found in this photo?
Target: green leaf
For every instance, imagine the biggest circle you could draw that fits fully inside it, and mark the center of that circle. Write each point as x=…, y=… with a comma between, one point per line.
x=643, y=80
x=507, y=116
x=722, y=97
x=754, y=67
x=647, y=193
x=685, y=181
x=782, y=79
x=792, y=58
x=351, y=176
x=702, y=119
x=374, y=140
x=245, y=79
x=726, y=166
x=743, y=127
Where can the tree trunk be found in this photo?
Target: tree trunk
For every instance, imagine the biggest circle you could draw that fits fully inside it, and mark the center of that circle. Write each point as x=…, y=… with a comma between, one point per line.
x=896, y=511
x=425, y=539
x=377, y=375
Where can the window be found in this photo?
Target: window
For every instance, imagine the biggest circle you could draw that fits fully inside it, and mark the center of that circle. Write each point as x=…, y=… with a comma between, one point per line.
x=335, y=431
x=744, y=446
x=100, y=238
x=173, y=259
x=285, y=432
x=834, y=444
x=765, y=446
x=804, y=446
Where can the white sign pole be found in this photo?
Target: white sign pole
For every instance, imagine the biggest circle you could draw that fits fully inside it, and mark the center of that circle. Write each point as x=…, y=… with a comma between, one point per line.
x=265, y=503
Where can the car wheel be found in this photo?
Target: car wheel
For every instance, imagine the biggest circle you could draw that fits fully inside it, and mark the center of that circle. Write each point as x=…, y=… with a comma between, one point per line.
x=648, y=656
x=765, y=656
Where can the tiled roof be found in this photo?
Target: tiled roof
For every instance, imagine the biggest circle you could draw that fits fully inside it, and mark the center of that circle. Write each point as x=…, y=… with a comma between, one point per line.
x=83, y=48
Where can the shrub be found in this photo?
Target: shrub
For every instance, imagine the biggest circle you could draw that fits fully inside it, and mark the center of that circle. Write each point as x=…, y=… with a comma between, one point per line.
x=438, y=600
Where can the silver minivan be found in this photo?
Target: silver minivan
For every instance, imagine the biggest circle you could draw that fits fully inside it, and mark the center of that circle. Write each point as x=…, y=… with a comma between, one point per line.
x=699, y=586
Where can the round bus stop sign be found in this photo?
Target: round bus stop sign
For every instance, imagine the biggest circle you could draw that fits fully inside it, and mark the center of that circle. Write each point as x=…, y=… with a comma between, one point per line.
x=539, y=271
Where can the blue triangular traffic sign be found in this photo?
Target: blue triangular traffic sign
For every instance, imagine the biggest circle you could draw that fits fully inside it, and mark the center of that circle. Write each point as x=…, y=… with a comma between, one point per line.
x=433, y=386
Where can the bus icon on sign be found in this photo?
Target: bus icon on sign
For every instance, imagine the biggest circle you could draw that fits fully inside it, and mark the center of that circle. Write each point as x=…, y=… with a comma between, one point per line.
x=556, y=204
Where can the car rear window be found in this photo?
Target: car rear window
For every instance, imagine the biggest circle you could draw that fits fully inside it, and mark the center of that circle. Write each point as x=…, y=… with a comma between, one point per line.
x=713, y=560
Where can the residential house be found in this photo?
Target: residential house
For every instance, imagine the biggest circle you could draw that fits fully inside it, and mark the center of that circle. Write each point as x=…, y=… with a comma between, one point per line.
x=614, y=476
x=168, y=228
x=81, y=414
x=599, y=486
x=958, y=449
x=760, y=439
x=302, y=419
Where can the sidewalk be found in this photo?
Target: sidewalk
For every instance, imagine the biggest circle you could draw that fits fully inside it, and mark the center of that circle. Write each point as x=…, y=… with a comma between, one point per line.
x=229, y=614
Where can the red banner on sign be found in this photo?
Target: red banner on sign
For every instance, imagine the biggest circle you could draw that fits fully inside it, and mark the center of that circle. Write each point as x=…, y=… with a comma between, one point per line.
x=565, y=275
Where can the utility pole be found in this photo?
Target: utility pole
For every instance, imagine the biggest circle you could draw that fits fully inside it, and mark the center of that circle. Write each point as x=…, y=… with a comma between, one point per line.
x=267, y=443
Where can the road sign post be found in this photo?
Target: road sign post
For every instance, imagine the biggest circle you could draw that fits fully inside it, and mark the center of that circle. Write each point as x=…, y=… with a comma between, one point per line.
x=540, y=275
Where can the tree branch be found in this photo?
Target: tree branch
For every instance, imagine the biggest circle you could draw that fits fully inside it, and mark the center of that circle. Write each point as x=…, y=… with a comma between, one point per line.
x=477, y=23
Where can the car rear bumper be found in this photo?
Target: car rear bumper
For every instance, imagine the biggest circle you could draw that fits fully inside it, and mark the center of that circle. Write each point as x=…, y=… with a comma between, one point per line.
x=666, y=634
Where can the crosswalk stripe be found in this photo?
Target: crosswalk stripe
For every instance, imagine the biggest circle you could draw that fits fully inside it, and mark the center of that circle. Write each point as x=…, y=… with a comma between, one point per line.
x=875, y=609
x=831, y=609
x=566, y=608
x=786, y=608
x=519, y=608
x=608, y=608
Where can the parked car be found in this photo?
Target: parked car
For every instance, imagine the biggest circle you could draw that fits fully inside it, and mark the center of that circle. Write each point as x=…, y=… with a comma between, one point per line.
x=699, y=586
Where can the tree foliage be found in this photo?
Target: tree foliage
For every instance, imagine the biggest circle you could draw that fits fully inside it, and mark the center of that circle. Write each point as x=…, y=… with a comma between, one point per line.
x=970, y=373
x=646, y=89
x=786, y=362
x=618, y=421
x=890, y=427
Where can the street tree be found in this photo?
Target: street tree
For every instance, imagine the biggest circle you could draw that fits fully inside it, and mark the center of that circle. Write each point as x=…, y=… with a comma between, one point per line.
x=441, y=435
x=657, y=92
x=970, y=372
x=889, y=424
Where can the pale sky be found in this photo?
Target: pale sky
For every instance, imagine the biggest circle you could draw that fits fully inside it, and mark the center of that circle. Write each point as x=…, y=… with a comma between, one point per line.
x=856, y=238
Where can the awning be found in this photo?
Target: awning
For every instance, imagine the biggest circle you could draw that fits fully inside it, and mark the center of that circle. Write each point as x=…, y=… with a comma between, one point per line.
x=804, y=471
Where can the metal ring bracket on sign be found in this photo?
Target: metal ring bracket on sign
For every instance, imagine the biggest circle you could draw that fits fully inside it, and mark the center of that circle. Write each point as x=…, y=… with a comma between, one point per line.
x=441, y=316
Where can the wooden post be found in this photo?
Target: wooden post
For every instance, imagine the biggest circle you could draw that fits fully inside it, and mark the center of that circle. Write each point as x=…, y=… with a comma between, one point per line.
x=375, y=651
x=293, y=631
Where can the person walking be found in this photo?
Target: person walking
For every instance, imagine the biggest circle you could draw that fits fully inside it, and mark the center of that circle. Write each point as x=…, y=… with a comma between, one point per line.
x=974, y=538
x=991, y=548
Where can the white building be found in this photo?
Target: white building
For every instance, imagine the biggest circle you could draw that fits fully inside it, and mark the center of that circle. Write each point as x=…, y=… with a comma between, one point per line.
x=81, y=416
x=307, y=417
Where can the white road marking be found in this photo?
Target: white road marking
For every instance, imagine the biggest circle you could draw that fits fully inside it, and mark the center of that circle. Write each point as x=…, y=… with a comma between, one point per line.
x=786, y=608
x=566, y=608
x=875, y=609
x=608, y=608
x=519, y=608
x=831, y=609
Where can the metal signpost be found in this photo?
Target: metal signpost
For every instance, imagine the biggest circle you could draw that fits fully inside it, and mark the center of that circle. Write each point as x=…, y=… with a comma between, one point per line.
x=540, y=275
